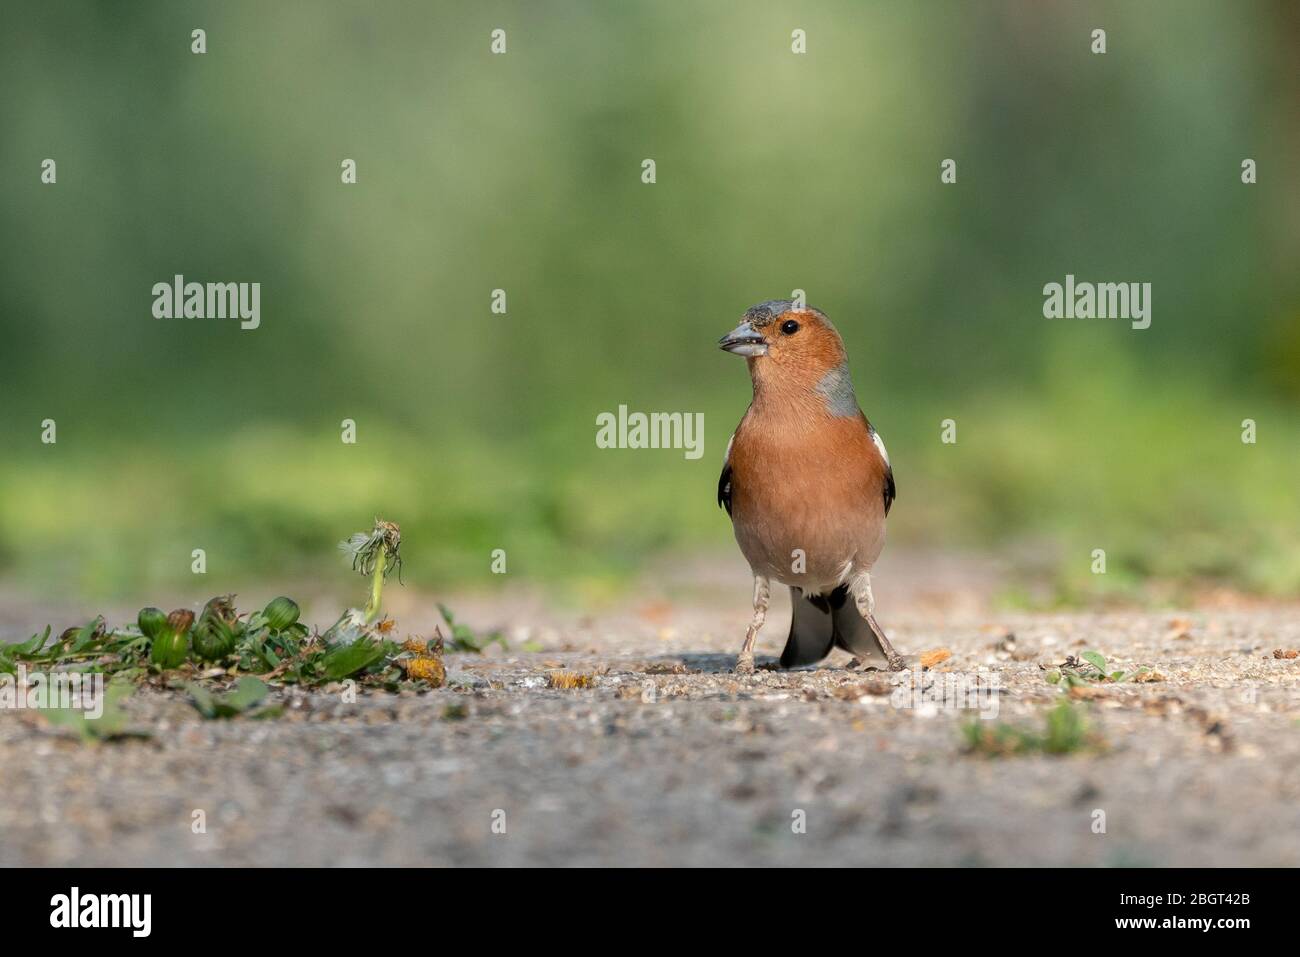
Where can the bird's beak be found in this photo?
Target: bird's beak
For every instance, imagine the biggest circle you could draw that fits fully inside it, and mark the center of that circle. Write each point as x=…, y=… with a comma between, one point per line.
x=744, y=340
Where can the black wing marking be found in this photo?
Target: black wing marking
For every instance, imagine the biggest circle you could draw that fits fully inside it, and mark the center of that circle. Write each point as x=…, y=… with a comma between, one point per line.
x=890, y=490
x=724, y=480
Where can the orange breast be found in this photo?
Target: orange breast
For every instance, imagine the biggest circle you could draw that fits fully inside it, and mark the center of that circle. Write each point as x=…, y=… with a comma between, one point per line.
x=816, y=487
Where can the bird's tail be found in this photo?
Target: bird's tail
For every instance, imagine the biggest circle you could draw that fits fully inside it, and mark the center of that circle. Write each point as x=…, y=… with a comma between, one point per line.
x=812, y=631
x=821, y=622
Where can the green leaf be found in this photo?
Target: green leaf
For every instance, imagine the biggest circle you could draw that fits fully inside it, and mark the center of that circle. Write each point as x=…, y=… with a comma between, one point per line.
x=1095, y=659
x=86, y=635
x=37, y=642
x=249, y=691
x=202, y=700
x=24, y=649
x=463, y=637
x=348, y=660
x=1065, y=729
x=110, y=724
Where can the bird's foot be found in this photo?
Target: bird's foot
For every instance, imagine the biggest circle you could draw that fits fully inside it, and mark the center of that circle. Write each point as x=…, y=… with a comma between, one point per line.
x=894, y=662
x=745, y=663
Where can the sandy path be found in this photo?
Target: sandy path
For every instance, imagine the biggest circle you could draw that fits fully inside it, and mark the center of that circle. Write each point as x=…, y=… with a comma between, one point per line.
x=669, y=759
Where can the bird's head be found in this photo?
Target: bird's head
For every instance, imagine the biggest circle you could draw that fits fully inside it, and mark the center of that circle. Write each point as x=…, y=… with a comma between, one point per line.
x=790, y=348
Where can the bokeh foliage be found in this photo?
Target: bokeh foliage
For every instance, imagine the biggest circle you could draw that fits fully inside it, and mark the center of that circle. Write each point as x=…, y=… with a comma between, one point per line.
x=522, y=171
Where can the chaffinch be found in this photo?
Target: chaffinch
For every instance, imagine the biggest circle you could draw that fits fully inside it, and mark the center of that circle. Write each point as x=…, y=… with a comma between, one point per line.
x=807, y=483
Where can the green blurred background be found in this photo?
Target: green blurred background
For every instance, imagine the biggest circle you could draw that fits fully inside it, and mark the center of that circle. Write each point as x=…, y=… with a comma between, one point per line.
x=523, y=171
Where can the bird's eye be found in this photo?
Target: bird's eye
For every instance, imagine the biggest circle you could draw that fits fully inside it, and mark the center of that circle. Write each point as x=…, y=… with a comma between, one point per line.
x=789, y=327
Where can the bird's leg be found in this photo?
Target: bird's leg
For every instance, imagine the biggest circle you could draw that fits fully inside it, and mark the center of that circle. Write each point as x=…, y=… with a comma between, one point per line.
x=866, y=604
x=762, y=593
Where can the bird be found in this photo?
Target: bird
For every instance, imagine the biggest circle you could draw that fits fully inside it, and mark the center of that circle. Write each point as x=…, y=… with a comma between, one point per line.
x=807, y=482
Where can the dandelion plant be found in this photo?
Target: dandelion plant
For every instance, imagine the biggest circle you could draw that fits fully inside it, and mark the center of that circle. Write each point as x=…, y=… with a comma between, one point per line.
x=375, y=554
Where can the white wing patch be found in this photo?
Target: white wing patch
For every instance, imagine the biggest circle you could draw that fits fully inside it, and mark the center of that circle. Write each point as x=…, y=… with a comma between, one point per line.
x=875, y=437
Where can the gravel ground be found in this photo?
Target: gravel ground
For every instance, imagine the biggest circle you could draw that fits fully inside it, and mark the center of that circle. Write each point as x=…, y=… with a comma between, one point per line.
x=669, y=759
